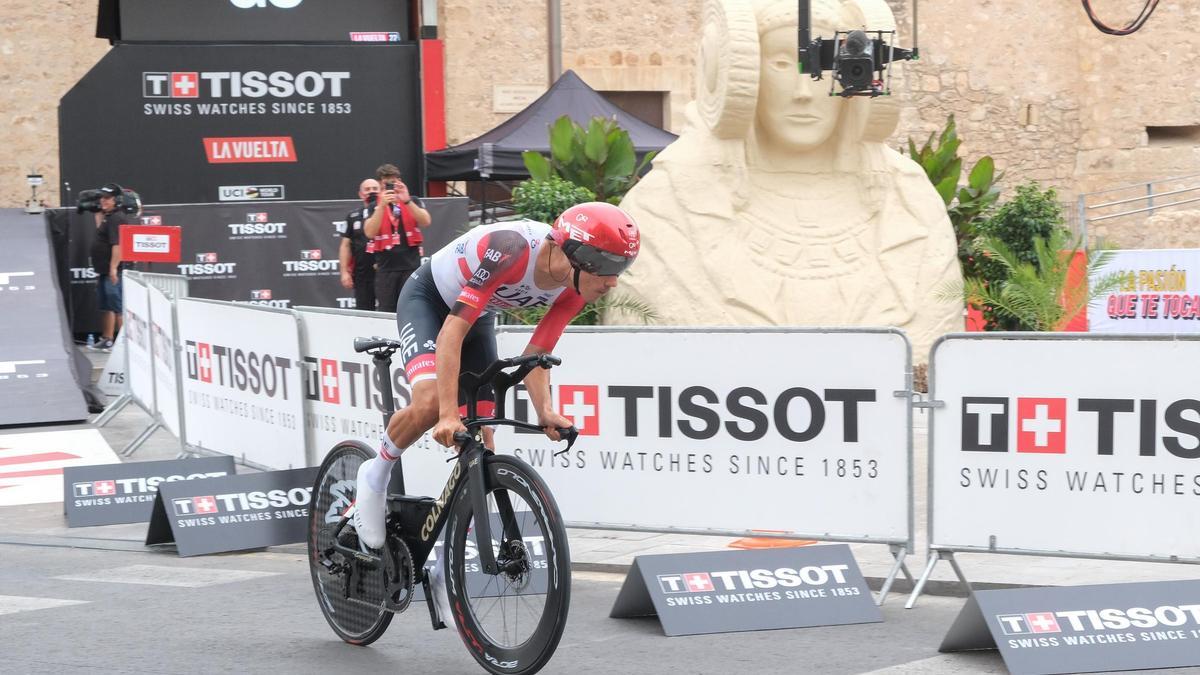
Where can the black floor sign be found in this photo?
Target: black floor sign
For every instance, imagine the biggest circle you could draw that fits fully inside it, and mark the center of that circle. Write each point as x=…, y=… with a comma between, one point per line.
x=729, y=591
x=107, y=494
x=1084, y=629
x=233, y=514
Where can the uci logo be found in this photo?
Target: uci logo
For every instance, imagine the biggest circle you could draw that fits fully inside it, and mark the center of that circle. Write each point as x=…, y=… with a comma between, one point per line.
x=251, y=4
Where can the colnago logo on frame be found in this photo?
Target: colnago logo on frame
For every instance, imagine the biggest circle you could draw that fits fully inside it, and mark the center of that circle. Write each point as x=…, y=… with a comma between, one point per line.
x=1041, y=425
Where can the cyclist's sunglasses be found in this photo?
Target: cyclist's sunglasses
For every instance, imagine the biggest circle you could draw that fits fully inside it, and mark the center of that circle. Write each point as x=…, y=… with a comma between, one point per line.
x=599, y=262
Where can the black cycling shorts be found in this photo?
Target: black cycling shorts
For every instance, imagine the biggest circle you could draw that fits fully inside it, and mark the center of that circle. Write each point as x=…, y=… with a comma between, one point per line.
x=420, y=313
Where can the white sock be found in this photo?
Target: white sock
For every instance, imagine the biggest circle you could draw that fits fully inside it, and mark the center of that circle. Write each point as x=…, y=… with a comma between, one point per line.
x=379, y=472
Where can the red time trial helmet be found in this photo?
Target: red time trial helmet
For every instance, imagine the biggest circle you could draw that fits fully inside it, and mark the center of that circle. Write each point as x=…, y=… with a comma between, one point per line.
x=598, y=238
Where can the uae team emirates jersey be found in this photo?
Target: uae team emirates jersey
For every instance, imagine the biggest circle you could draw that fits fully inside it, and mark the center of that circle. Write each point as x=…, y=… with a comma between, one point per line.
x=492, y=268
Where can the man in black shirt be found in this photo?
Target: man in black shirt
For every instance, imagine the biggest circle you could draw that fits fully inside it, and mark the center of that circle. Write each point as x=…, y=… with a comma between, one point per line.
x=106, y=261
x=358, y=266
x=395, y=236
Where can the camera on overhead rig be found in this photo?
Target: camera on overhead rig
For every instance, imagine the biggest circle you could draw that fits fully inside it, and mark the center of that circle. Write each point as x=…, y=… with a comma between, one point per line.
x=858, y=59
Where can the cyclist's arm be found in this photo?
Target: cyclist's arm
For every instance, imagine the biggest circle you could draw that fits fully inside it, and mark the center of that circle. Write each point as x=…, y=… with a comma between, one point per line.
x=544, y=338
x=449, y=360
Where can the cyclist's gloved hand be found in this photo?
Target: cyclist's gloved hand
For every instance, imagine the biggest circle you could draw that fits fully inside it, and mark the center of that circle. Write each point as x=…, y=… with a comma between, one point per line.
x=551, y=422
x=444, y=431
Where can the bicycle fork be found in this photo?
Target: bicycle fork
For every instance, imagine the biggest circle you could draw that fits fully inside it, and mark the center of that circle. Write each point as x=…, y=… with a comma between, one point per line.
x=477, y=479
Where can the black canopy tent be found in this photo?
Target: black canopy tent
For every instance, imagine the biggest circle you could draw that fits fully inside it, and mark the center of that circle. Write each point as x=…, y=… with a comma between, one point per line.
x=496, y=155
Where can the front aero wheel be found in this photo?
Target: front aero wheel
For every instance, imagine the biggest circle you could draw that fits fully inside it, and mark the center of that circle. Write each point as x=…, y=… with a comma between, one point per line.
x=351, y=594
x=511, y=622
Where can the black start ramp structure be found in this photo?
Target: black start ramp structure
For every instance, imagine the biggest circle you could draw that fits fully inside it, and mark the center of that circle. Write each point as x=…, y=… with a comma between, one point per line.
x=38, y=382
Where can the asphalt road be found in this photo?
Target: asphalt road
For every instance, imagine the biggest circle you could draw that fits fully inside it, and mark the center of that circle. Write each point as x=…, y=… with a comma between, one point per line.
x=118, y=611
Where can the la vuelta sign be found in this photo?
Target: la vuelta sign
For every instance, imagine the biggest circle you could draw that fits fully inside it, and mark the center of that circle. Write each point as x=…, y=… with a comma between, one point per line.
x=250, y=149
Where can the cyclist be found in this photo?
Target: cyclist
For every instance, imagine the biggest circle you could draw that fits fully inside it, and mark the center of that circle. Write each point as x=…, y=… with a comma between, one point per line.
x=446, y=319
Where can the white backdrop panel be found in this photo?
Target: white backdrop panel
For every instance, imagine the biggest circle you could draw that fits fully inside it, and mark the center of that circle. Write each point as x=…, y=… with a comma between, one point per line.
x=342, y=397
x=241, y=381
x=136, y=330
x=162, y=340
x=730, y=431
x=1081, y=446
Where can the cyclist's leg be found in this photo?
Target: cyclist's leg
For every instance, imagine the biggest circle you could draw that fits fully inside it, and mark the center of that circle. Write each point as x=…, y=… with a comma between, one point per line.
x=421, y=312
x=479, y=352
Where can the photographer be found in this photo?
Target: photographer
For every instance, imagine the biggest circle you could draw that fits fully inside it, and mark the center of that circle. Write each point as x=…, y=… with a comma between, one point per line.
x=395, y=236
x=106, y=261
x=358, y=266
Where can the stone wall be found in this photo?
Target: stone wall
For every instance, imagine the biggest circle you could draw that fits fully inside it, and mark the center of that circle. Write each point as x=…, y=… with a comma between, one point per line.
x=1030, y=82
x=45, y=47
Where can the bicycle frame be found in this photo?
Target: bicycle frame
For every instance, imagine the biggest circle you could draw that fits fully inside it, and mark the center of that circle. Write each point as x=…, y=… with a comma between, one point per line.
x=432, y=514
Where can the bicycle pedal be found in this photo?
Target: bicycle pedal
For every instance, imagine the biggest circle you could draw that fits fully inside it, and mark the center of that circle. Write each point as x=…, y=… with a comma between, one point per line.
x=438, y=624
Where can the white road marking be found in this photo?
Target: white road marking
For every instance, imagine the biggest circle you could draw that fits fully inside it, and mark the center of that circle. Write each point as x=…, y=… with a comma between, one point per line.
x=11, y=604
x=159, y=575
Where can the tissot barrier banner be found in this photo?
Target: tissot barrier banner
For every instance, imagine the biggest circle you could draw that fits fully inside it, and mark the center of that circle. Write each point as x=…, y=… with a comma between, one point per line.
x=135, y=330
x=186, y=124
x=163, y=346
x=1082, y=445
x=1159, y=293
x=241, y=382
x=783, y=430
x=342, y=397
x=265, y=20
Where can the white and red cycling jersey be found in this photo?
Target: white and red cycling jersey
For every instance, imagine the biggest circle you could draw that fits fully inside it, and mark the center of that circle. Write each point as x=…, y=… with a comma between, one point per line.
x=490, y=268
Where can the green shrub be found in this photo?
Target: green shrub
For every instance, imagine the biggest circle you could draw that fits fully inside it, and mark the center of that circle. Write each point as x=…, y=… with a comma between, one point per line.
x=544, y=200
x=600, y=158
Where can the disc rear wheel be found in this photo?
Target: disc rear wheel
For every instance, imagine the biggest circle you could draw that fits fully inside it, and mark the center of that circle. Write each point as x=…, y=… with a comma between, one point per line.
x=350, y=592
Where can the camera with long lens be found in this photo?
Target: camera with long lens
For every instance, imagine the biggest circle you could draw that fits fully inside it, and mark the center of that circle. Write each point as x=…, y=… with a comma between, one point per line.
x=858, y=59
x=854, y=67
x=127, y=200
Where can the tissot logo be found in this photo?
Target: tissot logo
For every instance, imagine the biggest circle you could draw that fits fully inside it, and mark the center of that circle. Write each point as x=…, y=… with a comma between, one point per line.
x=261, y=294
x=240, y=369
x=755, y=579
x=151, y=243
x=581, y=405
x=1041, y=424
x=796, y=414
x=127, y=486
x=1089, y=620
x=329, y=381
x=235, y=502
x=309, y=265
x=151, y=220
x=258, y=217
x=249, y=84
x=310, y=254
x=206, y=257
x=83, y=274
x=249, y=229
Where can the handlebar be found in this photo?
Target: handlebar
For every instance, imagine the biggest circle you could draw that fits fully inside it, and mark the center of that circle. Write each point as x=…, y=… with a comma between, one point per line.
x=569, y=434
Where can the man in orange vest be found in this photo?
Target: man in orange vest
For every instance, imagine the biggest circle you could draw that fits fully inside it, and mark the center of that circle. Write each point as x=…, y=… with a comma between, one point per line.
x=394, y=235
